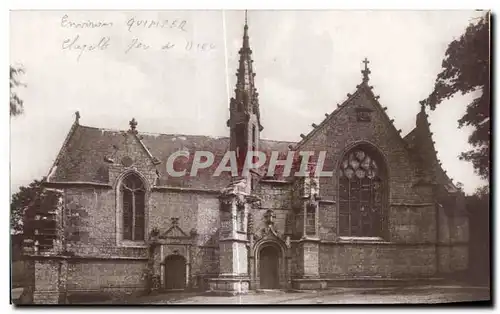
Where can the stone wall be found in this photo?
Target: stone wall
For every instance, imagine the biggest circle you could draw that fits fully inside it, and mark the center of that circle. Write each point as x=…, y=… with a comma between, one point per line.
x=90, y=220
x=376, y=260
x=109, y=277
x=310, y=251
x=297, y=260
x=412, y=224
x=45, y=287
x=274, y=195
x=327, y=221
x=90, y=225
x=452, y=246
x=107, y=274
x=277, y=197
x=197, y=212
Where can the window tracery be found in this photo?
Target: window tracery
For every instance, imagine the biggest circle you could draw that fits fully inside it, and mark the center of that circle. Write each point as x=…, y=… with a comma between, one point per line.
x=361, y=190
x=133, y=194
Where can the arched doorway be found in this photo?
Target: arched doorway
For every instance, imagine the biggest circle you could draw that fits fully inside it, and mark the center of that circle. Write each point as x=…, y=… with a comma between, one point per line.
x=175, y=272
x=269, y=267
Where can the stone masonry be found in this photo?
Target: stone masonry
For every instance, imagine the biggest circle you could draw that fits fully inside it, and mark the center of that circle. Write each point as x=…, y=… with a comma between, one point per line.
x=231, y=235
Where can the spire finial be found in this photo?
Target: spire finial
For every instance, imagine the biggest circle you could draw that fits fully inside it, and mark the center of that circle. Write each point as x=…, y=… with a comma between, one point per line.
x=246, y=43
x=133, y=124
x=175, y=221
x=77, y=117
x=422, y=105
x=366, y=71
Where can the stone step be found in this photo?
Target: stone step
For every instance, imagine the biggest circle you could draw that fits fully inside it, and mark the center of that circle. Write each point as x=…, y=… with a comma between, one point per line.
x=276, y=291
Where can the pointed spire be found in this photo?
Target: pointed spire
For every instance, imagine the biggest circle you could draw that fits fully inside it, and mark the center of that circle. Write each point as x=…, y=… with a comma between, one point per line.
x=366, y=71
x=246, y=95
x=246, y=43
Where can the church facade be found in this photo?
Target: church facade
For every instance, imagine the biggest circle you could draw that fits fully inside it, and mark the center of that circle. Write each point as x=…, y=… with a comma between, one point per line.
x=124, y=225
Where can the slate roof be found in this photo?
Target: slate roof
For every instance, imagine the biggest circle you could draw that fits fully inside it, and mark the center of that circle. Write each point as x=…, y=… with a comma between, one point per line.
x=82, y=157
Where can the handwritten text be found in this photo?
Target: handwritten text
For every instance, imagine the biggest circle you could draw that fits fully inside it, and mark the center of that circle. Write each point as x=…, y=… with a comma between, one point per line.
x=67, y=23
x=172, y=24
x=74, y=44
x=79, y=44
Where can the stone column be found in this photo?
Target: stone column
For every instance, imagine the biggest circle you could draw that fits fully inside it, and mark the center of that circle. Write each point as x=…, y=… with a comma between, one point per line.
x=308, y=245
x=188, y=274
x=288, y=264
x=162, y=275
x=233, y=259
x=50, y=280
x=310, y=251
x=251, y=261
x=309, y=278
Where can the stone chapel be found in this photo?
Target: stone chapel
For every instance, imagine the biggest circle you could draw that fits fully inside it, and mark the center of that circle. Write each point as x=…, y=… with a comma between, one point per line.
x=123, y=226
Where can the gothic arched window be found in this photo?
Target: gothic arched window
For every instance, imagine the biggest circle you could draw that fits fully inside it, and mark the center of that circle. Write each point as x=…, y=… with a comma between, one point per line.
x=361, y=195
x=133, y=196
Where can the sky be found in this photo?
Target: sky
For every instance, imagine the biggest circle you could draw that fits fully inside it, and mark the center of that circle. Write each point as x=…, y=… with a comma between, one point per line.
x=305, y=62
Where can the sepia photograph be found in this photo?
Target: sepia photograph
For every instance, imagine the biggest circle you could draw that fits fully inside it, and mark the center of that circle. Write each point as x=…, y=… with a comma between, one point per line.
x=242, y=157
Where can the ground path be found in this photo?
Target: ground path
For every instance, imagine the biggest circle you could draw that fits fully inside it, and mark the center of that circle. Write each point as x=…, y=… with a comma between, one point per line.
x=420, y=294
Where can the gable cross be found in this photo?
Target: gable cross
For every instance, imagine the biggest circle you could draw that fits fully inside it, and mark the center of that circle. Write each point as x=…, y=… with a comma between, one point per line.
x=366, y=71
x=175, y=221
x=77, y=117
x=133, y=124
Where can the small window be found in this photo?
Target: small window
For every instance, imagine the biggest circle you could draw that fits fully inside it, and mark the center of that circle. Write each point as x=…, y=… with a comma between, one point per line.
x=254, y=144
x=311, y=220
x=254, y=138
x=240, y=220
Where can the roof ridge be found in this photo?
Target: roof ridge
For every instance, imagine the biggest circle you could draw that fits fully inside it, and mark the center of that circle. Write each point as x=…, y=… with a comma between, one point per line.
x=277, y=141
x=149, y=133
x=177, y=134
